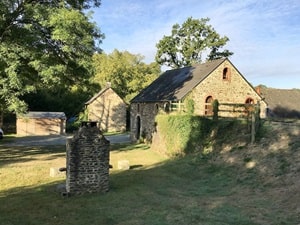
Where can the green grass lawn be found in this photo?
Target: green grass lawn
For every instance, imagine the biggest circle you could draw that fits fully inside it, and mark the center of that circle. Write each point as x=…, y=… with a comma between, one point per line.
x=190, y=190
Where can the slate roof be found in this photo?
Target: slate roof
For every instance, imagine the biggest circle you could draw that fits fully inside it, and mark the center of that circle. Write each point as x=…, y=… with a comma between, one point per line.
x=283, y=98
x=174, y=85
x=51, y=115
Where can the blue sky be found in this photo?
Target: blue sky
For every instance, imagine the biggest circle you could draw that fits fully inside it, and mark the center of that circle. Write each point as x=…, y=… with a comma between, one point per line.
x=264, y=34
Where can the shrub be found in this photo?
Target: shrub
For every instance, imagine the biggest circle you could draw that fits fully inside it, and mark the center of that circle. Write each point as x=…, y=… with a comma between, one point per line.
x=184, y=133
x=190, y=106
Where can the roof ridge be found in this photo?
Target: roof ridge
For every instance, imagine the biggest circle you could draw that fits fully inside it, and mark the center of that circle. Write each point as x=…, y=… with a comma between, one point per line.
x=173, y=85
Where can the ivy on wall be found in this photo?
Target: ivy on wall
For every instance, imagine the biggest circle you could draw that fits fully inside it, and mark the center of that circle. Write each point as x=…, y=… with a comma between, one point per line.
x=184, y=133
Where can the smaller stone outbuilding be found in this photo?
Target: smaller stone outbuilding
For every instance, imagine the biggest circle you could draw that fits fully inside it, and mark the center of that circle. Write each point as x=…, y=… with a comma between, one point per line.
x=108, y=109
x=41, y=123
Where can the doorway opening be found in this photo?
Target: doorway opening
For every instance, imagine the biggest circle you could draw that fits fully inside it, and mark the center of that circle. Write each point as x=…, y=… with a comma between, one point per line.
x=138, y=128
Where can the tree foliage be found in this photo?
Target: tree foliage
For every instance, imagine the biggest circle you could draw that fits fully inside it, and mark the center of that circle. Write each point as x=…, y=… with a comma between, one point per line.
x=44, y=43
x=189, y=43
x=68, y=100
x=126, y=72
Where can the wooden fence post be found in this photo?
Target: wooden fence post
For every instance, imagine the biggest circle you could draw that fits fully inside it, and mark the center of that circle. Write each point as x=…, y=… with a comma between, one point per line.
x=253, y=127
x=215, y=105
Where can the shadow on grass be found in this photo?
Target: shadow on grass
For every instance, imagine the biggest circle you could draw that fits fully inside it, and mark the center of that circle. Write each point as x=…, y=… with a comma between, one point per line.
x=175, y=192
x=11, y=139
x=128, y=147
x=17, y=154
x=180, y=191
x=196, y=189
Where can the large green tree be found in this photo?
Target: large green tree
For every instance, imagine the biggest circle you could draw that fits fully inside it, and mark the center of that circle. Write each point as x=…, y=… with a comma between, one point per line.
x=190, y=43
x=126, y=72
x=44, y=43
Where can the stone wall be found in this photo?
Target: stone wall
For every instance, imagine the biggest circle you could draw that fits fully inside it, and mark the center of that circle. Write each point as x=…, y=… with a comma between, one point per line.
x=145, y=112
x=87, y=162
x=235, y=90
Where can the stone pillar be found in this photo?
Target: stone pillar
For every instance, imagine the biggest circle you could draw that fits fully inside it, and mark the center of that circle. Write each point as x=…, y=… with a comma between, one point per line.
x=87, y=161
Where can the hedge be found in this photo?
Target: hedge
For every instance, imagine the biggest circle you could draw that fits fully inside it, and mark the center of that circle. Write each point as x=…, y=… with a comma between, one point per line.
x=184, y=133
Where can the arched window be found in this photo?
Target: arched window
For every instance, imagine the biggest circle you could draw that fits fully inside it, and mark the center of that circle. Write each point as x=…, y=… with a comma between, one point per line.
x=138, y=108
x=226, y=73
x=208, y=106
x=249, y=105
x=249, y=101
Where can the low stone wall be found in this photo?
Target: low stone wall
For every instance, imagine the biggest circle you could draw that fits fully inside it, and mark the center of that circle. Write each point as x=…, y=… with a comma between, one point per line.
x=87, y=162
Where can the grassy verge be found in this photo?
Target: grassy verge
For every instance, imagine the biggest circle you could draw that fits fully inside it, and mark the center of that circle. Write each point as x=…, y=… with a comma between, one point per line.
x=189, y=190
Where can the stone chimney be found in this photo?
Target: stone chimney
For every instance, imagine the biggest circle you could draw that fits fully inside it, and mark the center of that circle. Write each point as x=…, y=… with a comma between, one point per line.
x=87, y=161
x=108, y=84
x=258, y=90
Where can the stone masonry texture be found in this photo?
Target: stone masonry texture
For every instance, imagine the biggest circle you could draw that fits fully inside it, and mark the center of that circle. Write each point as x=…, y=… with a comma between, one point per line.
x=232, y=90
x=87, y=162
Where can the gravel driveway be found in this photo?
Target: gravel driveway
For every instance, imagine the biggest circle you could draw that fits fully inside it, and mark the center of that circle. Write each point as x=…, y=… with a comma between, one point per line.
x=59, y=140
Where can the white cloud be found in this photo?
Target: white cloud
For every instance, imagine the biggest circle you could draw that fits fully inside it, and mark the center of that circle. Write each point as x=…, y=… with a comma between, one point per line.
x=264, y=35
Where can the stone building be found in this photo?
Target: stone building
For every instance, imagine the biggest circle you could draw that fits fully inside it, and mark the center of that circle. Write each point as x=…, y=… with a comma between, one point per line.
x=108, y=109
x=202, y=84
x=41, y=123
x=282, y=103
